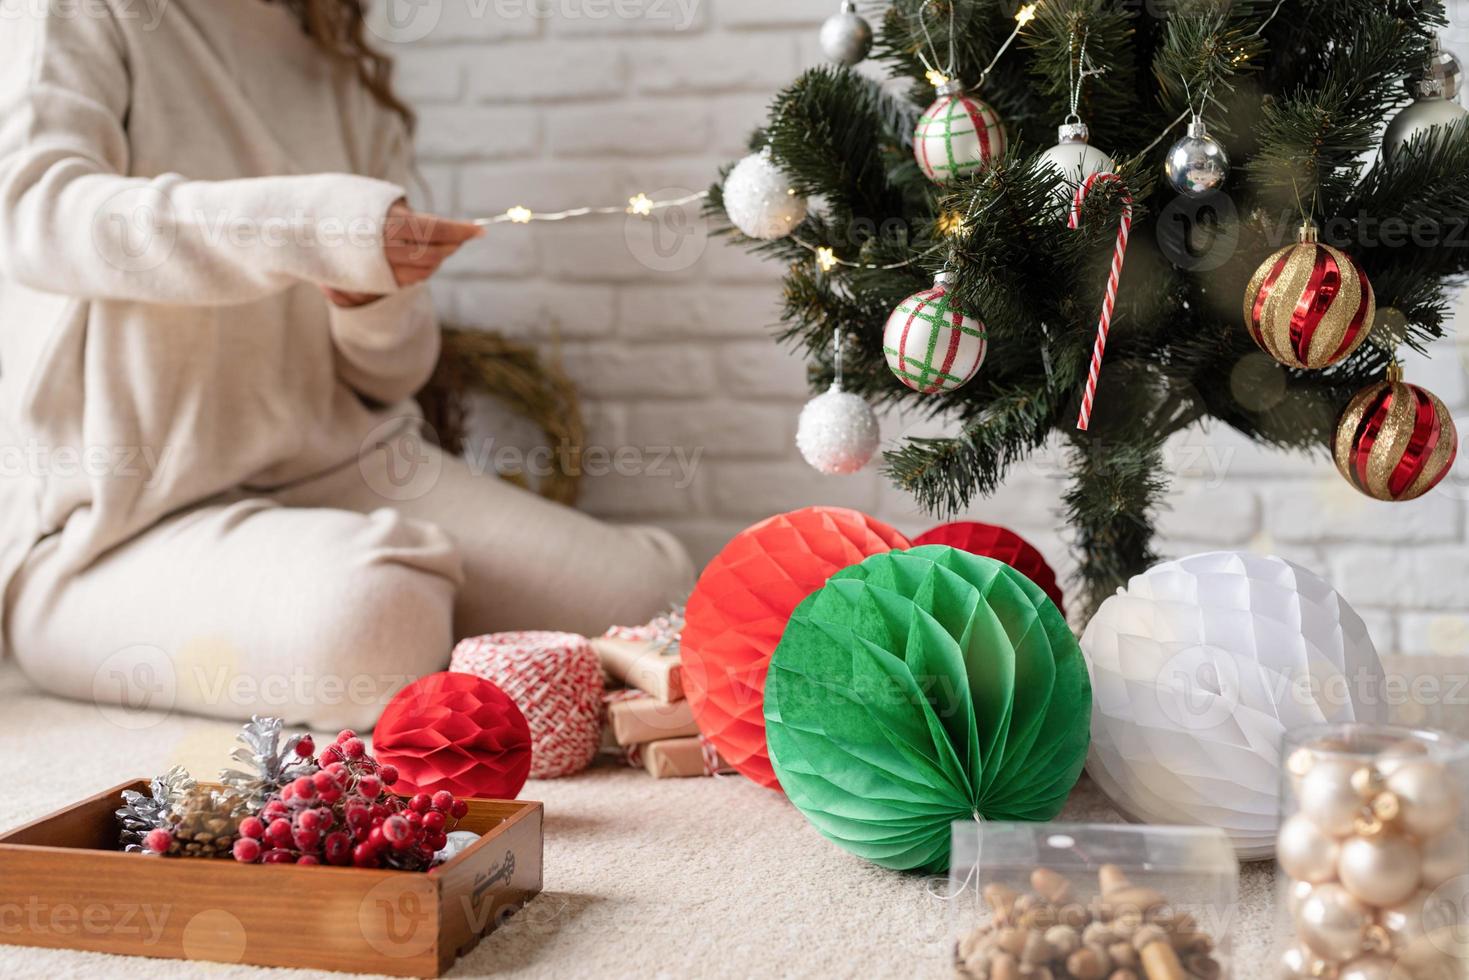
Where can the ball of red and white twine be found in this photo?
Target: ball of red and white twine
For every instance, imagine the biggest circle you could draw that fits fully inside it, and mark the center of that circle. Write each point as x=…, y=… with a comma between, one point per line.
x=555, y=680
x=1104, y=323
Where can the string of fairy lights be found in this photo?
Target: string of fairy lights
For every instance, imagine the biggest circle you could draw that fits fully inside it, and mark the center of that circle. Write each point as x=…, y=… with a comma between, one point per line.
x=825, y=256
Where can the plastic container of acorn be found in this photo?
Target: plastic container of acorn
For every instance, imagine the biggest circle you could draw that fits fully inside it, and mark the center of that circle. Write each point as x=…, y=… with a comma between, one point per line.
x=1047, y=901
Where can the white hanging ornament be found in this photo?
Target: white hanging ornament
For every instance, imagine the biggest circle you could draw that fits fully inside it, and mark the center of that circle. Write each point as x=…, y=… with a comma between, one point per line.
x=1198, y=669
x=1197, y=164
x=846, y=37
x=930, y=345
x=957, y=135
x=1075, y=158
x=759, y=199
x=838, y=431
x=1433, y=107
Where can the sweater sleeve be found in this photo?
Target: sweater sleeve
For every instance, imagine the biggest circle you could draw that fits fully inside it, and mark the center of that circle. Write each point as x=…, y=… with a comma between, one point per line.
x=387, y=349
x=72, y=223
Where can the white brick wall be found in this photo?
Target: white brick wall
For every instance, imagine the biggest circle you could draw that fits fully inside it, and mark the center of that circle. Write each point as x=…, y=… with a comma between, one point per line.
x=590, y=101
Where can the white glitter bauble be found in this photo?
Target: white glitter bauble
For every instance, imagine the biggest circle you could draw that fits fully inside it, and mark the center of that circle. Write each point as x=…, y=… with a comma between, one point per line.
x=1075, y=159
x=1199, y=667
x=846, y=37
x=837, y=432
x=759, y=199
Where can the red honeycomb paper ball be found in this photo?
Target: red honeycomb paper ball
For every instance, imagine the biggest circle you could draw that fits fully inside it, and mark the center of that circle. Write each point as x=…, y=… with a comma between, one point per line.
x=455, y=732
x=738, y=611
x=555, y=680
x=1001, y=544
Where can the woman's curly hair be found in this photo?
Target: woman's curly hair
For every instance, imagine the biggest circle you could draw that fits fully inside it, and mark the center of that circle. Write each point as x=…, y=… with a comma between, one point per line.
x=339, y=28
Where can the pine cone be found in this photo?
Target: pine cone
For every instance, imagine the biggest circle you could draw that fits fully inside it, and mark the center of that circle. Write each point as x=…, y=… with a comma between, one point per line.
x=205, y=823
x=270, y=764
x=140, y=814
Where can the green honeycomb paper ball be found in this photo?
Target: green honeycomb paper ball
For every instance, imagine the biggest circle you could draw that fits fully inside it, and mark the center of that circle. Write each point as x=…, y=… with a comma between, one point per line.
x=922, y=687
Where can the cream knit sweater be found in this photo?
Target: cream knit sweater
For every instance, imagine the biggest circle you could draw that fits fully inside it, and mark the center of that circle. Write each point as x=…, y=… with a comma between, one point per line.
x=174, y=180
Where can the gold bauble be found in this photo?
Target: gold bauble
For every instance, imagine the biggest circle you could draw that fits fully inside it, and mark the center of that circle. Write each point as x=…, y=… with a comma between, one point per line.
x=1395, y=441
x=1309, y=305
x=1381, y=871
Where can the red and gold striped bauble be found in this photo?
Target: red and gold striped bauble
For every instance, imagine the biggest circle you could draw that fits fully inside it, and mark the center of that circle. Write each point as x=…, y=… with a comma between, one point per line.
x=1309, y=305
x=1395, y=441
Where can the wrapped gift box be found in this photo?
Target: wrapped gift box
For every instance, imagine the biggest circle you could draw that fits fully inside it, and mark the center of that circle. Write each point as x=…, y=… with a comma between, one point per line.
x=641, y=664
x=636, y=720
x=675, y=758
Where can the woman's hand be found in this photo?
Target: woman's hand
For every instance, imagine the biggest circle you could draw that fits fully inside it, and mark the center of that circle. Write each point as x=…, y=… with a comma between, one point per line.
x=415, y=245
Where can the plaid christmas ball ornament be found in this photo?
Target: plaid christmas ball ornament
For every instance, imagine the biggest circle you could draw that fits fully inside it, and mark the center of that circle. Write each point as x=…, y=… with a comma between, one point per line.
x=930, y=345
x=1309, y=305
x=1002, y=544
x=957, y=135
x=555, y=680
x=1395, y=441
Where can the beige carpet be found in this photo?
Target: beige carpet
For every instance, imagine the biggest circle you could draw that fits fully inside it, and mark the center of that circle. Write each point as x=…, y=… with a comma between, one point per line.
x=703, y=878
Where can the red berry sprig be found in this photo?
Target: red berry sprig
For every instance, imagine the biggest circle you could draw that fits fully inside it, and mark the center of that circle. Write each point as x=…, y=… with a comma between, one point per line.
x=344, y=814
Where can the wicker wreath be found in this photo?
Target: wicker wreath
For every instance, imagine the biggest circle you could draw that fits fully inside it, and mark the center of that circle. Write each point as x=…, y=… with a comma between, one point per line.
x=513, y=373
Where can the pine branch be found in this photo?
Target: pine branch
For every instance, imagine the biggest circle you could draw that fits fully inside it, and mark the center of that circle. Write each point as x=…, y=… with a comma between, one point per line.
x=944, y=475
x=1115, y=492
x=1296, y=89
x=835, y=133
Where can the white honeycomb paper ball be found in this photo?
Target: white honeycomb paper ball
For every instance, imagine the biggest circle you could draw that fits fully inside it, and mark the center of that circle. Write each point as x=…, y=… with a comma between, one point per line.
x=1198, y=669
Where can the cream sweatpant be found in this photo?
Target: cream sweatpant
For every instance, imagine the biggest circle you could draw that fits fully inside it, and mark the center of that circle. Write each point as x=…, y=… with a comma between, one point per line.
x=318, y=601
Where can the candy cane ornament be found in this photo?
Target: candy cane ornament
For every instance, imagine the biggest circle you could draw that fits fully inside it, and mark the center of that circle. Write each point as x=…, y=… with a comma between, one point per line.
x=1104, y=323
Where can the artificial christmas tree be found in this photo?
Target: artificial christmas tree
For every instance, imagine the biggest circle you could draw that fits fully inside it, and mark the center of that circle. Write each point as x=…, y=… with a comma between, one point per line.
x=1296, y=93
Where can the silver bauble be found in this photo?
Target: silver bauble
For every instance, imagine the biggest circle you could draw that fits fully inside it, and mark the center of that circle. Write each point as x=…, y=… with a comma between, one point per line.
x=759, y=199
x=1431, y=110
x=1197, y=164
x=846, y=37
x=1441, y=73
x=1075, y=158
x=837, y=432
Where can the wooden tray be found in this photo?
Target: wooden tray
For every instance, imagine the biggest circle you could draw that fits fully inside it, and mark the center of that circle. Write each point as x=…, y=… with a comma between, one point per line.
x=62, y=885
